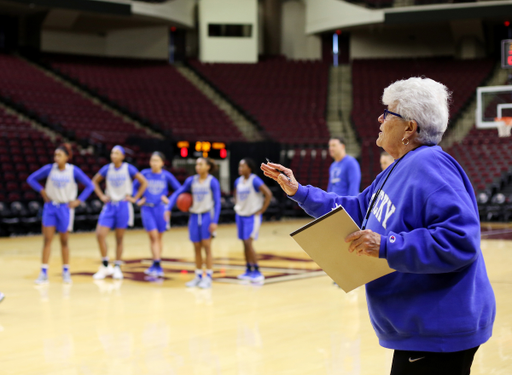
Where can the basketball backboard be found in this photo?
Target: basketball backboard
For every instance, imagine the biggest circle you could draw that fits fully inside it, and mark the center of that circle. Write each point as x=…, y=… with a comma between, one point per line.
x=493, y=106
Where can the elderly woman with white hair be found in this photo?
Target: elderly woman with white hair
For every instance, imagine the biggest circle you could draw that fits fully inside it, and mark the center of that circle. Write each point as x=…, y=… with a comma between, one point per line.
x=420, y=214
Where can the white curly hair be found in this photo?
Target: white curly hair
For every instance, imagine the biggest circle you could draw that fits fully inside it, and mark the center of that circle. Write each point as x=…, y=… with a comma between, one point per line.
x=423, y=100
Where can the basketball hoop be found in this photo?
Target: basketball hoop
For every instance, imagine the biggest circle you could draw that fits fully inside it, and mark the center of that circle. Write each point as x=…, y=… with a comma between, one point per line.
x=504, y=125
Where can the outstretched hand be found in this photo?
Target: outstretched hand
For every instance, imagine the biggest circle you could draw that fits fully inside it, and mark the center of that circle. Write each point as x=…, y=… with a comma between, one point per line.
x=289, y=185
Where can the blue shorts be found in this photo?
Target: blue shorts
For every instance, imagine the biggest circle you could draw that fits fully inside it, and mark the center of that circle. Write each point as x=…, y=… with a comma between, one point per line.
x=153, y=218
x=199, y=227
x=116, y=215
x=248, y=226
x=58, y=215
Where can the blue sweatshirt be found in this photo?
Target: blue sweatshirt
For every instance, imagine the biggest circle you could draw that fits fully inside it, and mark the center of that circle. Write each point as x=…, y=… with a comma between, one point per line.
x=158, y=184
x=440, y=298
x=187, y=188
x=344, y=177
x=78, y=175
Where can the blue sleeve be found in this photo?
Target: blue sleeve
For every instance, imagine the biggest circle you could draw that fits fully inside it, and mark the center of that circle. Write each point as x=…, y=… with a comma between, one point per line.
x=236, y=182
x=185, y=188
x=353, y=176
x=172, y=181
x=103, y=171
x=215, y=186
x=41, y=173
x=132, y=171
x=81, y=177
x=257, y=182
x=451, y=234
x=317, y=202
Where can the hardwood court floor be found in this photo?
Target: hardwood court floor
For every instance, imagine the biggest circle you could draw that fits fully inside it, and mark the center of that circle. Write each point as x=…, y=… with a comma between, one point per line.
x=298, y=323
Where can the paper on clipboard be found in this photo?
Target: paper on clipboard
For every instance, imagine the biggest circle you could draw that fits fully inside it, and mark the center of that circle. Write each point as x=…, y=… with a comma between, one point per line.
x=324, y=241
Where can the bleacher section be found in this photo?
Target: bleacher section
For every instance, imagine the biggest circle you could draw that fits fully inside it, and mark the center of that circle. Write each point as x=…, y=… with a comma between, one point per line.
x=370, y=77
x=485, y=157
x=50, y=99
x=23, y=150
x=287, y=98
x=154, y=90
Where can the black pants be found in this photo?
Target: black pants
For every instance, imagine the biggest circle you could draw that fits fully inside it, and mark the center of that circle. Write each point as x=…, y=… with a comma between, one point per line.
x=429, y=363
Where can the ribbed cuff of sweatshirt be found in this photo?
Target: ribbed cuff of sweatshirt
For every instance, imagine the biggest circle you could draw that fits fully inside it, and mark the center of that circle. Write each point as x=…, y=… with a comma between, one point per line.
x=383, y=250
x=300, y=196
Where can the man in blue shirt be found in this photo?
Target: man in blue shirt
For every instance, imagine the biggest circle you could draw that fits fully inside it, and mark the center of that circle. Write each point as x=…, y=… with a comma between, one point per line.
x=344, y=172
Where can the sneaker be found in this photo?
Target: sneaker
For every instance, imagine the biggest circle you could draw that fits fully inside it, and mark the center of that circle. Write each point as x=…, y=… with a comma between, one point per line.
x=118, y=274
x=42, y=279
x=66, y=277
x=205, y=283
x=103, y=272
x=150, y=271
x=195, y=282
x=2, y=296
x=256, y=276
x=245, y=276
x=159, y=272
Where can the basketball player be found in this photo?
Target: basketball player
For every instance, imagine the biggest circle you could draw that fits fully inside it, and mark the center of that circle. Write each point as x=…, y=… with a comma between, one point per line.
x=252, y=200
x=153, y=204
x=117, y=212
x=205, y=212
x=385, y=160
x=60, y=199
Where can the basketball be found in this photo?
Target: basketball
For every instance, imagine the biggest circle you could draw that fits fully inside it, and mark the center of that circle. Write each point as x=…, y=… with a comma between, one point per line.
x=184, y=202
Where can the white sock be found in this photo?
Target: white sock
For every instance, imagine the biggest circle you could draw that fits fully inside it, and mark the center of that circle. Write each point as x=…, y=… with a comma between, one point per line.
x=199, y=273
x=209, y=273
x=44, y=268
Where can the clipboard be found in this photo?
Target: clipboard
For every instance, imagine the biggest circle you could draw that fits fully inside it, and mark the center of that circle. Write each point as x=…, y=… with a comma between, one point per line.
x=323, y=240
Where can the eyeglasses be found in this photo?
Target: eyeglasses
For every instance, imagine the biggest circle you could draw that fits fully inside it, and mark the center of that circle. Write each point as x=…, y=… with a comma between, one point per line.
x=386, y=112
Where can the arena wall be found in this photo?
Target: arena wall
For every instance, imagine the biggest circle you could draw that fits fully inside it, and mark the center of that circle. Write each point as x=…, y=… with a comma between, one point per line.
x=144, y=43
x=228, y=49
x=402, y=41
x=295, y=43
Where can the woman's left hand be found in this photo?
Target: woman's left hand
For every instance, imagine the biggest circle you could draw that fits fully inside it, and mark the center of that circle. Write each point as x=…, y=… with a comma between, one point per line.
x=164, y=199
x=213, y=227
x=75, y=203
x=131, y=199
x=364, y=242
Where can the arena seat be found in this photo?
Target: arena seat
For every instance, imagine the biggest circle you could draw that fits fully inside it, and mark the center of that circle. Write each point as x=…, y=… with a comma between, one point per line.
x=50, y=99
x=153, y=90
x=485, y=157
x=288, y=98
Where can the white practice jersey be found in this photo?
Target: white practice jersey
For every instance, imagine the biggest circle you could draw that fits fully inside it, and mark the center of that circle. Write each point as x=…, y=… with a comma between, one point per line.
x=60, y=185
x=119, y=183
x=202, y=195
x=248, y=199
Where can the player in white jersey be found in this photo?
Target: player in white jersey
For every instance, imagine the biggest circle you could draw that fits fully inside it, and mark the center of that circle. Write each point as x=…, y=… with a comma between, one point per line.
x=205, y=212
x=60, y=197
x=252, y=199
x=117, y=213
